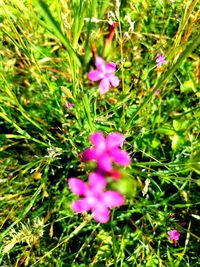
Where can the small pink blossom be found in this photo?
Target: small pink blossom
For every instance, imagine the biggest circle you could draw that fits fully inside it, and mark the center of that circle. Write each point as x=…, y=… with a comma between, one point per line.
x=69, y=105
x=174, y=236
x=94, y=197
x=157, y=91
x=105, y=74
x=106, y=150
x=160, y=60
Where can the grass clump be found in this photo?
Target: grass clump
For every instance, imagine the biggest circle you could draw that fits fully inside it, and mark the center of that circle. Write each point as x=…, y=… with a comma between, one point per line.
x=47, y=49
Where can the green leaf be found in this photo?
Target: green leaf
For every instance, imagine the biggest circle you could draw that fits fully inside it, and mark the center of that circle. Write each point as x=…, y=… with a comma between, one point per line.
x=194, y=163
x=155, y=143
x=187, y=86
x=165, y=130
x=177, y=141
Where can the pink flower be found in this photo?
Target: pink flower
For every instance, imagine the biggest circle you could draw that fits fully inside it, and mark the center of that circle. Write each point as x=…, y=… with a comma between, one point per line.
x=94, y=198
x=106, y=150
x=69, y=105
x=105, y=74
x=174, y=235
x=160, y=60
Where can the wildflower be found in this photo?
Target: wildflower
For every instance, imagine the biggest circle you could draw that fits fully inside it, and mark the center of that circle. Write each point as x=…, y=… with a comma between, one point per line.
x=105, y=151
x=105, y=74
x=69, y=105
x=174, y=235
x=157, y=91
x=160, y=60
x=94, y=197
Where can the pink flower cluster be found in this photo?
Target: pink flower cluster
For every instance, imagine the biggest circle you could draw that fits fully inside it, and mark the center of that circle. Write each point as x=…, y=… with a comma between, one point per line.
x=105, y=151
x=94, y=197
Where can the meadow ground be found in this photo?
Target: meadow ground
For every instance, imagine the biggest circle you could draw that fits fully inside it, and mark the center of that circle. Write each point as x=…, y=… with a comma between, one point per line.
x=49, y=109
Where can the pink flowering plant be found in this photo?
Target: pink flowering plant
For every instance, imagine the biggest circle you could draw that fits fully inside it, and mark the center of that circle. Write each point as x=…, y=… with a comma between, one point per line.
x=105, y=74
x=69, y=105
x=160, y=60
x=174, y=236
x=107, y=150
x=94, y=196
x=76, y=78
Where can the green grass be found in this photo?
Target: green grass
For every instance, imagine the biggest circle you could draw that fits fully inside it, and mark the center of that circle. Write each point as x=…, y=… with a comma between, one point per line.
x=45, y=55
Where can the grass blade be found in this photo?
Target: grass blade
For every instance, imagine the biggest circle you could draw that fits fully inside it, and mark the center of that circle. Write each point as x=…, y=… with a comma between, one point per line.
x=55, y=28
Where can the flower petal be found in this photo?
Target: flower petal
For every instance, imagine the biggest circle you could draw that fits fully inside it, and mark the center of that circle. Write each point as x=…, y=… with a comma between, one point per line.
x=104, y=163
x=89, y=154
x=104, y=85
x=110, y=67
x=112, y=199
x=97, y=182
x=100, y=64
x=77, y=186
x=101, y=215
x=98, y=140
x=114, y=140
x=120, y=156
x=69, y=105
x=95, y=75
x=159, y=64
x=80, y=206
x=114, y=80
